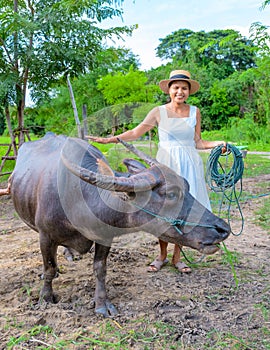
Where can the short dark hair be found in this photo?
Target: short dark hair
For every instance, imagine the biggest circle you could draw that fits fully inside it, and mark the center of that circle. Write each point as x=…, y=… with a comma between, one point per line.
x=171, y=82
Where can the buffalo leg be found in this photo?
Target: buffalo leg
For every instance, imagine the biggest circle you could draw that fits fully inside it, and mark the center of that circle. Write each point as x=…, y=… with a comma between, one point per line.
x=103, y=305
x=49, y=250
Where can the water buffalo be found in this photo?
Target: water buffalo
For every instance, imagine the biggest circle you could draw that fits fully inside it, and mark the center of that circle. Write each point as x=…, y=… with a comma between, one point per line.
x=65, y=190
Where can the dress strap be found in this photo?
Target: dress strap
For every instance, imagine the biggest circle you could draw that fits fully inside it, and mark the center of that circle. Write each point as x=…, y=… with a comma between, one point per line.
x=193, y=113
x=162, y=112
x=193, y=116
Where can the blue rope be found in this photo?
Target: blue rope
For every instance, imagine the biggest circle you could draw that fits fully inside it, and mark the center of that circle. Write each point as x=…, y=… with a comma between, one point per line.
x=219, y=179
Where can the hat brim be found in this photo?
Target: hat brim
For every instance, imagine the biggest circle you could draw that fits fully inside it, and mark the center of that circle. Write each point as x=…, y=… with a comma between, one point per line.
x=194, y=85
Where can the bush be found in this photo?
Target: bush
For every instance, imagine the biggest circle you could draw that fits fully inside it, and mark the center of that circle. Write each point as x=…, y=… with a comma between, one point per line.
x=242, y=132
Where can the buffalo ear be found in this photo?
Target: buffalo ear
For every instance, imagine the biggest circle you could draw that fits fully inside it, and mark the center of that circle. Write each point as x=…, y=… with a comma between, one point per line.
x=124, y=196
x=133, y=165
x=103, y=168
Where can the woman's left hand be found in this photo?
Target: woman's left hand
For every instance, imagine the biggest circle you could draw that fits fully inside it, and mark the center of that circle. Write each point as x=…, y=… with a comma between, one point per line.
x=224, y=149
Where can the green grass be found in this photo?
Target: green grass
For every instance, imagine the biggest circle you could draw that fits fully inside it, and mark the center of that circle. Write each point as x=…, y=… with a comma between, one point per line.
x=110, y=335
x=28, y=336
x=9, y=164
x=221, y=341
x=4, y=139
x=254, y=164
x=262, y=215
x=138, y=334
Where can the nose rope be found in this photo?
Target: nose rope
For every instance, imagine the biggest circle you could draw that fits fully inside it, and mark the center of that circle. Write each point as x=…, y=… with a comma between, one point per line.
x=173, y=222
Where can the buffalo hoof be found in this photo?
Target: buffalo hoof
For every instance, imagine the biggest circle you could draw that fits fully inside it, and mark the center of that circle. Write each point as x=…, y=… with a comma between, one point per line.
x=107, y=310
x=71, y=254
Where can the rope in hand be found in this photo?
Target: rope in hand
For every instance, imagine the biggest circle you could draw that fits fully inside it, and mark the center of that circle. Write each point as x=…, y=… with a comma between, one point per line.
x=219, y=179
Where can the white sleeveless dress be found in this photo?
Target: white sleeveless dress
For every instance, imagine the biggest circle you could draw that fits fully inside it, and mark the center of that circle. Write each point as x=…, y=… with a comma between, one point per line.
x=177, y=150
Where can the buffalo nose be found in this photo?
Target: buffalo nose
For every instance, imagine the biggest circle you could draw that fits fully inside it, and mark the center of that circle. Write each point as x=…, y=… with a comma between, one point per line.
x=224, y=230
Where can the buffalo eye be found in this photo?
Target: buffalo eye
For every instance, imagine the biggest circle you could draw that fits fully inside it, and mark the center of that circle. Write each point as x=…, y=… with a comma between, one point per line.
x=172, y=195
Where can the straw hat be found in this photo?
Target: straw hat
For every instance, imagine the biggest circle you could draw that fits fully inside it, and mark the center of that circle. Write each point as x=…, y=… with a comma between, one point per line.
x=179, y=75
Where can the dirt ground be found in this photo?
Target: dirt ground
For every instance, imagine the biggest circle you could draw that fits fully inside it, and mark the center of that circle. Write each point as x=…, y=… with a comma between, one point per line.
x=204, y=308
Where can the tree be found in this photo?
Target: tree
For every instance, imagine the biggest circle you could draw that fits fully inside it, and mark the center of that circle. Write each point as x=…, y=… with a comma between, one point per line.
x=43, y=41
x=259, y=34
x=54, y=113
x=129, y=98
x=130, y=87
x=226, y=48
x=175, y=45
x=216, y=59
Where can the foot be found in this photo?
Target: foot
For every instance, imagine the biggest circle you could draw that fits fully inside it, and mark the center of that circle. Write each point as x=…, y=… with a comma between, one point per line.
x=4, y=191
x=182, y=267
x=156, y=265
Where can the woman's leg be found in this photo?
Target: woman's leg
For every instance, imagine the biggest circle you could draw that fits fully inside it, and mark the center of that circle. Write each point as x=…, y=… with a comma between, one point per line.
x=181, y=266
x=176, y=254
x=161, y=260
x=163, y=250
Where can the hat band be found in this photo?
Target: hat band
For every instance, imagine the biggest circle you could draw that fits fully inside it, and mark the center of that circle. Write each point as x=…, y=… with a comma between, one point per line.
x=180, y=76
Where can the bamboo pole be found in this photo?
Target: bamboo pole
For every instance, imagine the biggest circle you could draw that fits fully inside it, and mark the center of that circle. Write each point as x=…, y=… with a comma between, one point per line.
x=75, y=111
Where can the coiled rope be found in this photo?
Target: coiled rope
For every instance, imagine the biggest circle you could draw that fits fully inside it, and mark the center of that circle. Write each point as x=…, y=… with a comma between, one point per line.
x=223, y=178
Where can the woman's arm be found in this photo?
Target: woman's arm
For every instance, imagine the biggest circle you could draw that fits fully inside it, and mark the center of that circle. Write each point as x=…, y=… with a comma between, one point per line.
x=147, y=124
x=203, y=144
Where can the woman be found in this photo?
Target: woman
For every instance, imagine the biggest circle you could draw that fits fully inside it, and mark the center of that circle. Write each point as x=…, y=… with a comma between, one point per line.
x=179, y=130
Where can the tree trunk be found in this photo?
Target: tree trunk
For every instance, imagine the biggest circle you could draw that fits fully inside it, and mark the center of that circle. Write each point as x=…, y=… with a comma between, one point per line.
x=19, y=92
x=20, y=123
x=12, y=138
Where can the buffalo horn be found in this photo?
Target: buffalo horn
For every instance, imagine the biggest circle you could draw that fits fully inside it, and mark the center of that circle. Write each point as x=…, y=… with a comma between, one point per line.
x=136, y=183
x=148, y=160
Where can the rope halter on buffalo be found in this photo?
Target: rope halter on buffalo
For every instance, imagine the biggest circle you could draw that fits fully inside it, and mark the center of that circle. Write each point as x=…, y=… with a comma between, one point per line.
x=224, y=177
x=173, y=222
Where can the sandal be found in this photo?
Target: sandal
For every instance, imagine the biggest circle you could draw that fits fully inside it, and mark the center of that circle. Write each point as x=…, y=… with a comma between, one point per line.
x=156, y=265
x=182, y=267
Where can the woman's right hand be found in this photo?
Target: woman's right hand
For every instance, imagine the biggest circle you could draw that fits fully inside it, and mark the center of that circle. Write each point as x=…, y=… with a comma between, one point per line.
x=103, y=140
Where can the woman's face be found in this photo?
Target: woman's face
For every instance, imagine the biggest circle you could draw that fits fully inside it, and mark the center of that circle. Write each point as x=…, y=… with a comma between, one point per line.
x=179, y=91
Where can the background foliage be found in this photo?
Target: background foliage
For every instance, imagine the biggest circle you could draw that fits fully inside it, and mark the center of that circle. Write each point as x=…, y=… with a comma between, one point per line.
x=43, y=42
